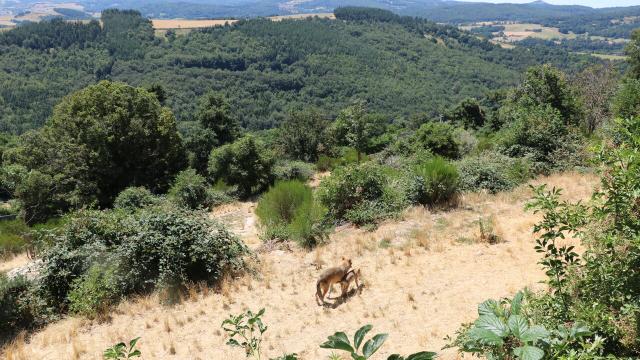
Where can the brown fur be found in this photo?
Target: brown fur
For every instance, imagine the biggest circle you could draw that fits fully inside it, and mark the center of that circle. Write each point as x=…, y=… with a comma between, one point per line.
x=349, y=277
x=329, y=277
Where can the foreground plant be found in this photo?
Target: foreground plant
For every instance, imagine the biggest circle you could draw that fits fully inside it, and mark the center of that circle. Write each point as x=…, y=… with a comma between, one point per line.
x=340, y=341
x=503, y=331
x=120, y=351
x=245, y=330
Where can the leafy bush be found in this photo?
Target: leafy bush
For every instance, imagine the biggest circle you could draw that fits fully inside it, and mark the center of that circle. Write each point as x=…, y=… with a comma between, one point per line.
x=12, y=236
x=492, y=171
x=360, y=194
x=190, y=190
x=293, y=170
x=288, y=211
x=15, y=312
x=245, y=330
x=133, y=198
x=156, y=247
x=92, y=293
x=439, y=138
x=347, y=156
x=244, y=163
x=435, y=182
x=503, y=331
x=340, y=341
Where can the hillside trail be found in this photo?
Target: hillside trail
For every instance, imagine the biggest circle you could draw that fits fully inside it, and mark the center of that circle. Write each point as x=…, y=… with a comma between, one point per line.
x=424, y=275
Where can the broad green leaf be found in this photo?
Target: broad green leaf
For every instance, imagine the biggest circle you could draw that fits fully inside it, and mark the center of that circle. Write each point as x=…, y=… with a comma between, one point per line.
x=488, y=307
x=371, y=346
x=534, y=333
x=338, y=341
x=355, y=356
x=133, y=342
x=359, y=336
x=528, y=353
x=492, y=323
x=423, y=355
x=134, y=354
x=516, y=303
x=485, y=336
x=518, y=325
x=395, y=357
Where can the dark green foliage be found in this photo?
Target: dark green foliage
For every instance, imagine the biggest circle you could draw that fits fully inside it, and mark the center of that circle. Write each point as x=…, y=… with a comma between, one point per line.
x=190, y=190
x=133, y=198
x=492, y=171
x=361, y=194
x=468, y=114
x=289, y=211
x=120, y=351
x=633, y=55
x=293, y=170
x=11, y=176
x=434, y=182
x=535, y=131
x=156, y=247
x=438, y=138
x=214, y=113
x=15, y=311
x=266, y=68
x=55, y=33
x=99, y=141
x=627, y=100
x=545, y=86
x=358, y=129
x=244, y=163
x=303, y=135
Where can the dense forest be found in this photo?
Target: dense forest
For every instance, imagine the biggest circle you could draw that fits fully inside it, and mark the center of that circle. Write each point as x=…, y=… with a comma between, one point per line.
x=403, y=65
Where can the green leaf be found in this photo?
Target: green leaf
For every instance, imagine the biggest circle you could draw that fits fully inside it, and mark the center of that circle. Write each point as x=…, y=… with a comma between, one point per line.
x=494, y=324
x=338, y=341
x=423, y=355
x=518, y=325
x=485, y=336
x=516, y=303
x=133, y=342
x=395, y=357
x=534, y=333
x=359, y=336
x=528, y=353
x=488, y=307
x=134, y=354
x=371, y=346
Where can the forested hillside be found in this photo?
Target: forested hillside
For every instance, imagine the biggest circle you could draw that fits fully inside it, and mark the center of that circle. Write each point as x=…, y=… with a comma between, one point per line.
x=401, y=65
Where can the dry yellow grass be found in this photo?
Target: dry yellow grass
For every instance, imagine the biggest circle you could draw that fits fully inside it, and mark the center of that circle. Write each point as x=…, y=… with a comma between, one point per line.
x=165, y=24
x=419, y=287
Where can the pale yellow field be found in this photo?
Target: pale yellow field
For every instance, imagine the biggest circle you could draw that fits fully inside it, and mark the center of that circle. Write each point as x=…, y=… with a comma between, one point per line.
x=165, y=24
x=419, y=288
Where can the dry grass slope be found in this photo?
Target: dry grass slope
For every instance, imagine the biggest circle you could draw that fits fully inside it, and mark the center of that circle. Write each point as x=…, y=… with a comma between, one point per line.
x=424, y=275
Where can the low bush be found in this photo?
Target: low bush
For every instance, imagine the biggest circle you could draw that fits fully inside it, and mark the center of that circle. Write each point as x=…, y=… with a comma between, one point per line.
x=133, y=198
x=492, y=171
x=434, y=182
x=289, y=211
x=293, y=170
x=156, y=247
x=190, y=190
x=15, y=311
x=347, y=156
x=439, y=138
x=360, y=194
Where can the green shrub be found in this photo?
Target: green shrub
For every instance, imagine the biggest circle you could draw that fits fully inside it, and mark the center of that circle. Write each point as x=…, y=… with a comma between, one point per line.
x=288, y=211
x=133, y=198
x=293, y=170
x=15, y=311
x=93, y=292
x=190, y=190
x=439, y=138
x=156, y=247
x=12, y=239
x=347, y=156
x=435, y=182
x=492, y=171
x=360, y=194
x=245, y=164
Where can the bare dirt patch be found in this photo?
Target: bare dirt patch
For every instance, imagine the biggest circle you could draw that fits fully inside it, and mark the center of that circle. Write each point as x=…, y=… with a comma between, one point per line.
x=422, y=280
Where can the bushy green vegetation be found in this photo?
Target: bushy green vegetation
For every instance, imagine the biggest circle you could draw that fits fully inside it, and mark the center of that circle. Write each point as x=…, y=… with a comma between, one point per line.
x=289, y=211
x=133, y=198
x=15, y=312
x=12, y=237
x=190, y=190
x=493, y=171
x=434, y=182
